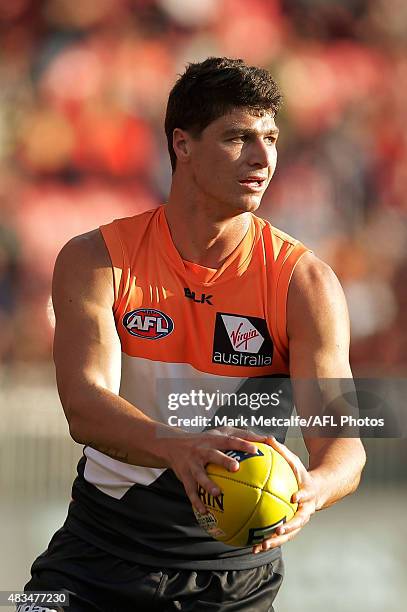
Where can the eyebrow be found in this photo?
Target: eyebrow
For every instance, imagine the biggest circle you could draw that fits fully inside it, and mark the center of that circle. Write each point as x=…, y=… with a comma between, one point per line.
x=248, y=132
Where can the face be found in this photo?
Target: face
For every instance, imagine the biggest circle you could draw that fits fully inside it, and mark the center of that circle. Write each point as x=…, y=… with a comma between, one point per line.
x=233, y=161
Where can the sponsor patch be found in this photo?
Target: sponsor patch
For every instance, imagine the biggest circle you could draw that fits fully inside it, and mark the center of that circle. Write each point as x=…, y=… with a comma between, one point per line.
x=148, y=323
x=241, y=341
x=210, y=524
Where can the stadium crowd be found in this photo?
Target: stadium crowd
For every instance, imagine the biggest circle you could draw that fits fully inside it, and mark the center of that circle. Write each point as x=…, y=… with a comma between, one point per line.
x=82, y=101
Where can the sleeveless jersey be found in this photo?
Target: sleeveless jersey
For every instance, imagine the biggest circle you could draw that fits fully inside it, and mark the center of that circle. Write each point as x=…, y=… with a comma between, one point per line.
x=182, y=326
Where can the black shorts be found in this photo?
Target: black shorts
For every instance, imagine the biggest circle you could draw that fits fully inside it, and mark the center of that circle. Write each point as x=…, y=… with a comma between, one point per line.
x=99, y=582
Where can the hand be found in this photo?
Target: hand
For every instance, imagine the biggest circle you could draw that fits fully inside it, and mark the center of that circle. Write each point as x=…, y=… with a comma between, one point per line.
x=187, y=455
x=306, y=497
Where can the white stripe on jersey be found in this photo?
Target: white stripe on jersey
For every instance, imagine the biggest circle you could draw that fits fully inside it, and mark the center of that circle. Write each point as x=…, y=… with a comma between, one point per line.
x=147, y=384
x=115, y=477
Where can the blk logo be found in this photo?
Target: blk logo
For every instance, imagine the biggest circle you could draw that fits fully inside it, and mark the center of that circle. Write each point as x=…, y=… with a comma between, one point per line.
x=148, y=323
x=202, y=299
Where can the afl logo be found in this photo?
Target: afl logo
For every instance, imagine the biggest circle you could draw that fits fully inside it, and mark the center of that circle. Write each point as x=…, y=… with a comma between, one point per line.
x=148, y=323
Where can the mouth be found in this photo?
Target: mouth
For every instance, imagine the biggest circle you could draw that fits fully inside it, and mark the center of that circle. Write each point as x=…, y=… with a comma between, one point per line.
x=253, y=183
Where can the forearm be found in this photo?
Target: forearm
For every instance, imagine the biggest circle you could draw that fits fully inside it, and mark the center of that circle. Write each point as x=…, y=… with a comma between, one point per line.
x=101, y=419
x=336, y=469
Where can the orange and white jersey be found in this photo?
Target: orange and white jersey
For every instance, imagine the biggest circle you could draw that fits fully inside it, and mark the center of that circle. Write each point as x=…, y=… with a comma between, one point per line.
x=230, y=321
x=178, y=321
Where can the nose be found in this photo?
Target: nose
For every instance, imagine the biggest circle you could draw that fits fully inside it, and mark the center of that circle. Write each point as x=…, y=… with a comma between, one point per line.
x=260, y=154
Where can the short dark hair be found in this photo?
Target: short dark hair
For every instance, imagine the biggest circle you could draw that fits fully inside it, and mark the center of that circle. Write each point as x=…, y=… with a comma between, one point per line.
x=210, y=89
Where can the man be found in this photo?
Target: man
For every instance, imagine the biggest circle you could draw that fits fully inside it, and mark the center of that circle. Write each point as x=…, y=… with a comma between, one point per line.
x=163, y=296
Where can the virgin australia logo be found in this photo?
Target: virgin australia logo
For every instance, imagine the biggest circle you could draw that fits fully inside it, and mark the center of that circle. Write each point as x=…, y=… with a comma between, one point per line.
x=241, y=341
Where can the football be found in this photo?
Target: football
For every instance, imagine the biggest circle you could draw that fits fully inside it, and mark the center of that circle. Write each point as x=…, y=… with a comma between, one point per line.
x=254, y=501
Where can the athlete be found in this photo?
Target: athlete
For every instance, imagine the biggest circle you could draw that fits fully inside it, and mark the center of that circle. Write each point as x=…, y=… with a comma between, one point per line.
x=200, y=289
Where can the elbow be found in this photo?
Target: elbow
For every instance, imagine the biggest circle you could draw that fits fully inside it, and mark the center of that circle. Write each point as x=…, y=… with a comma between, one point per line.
x=75, y=417
x=360, y=462
x=76, y=431
x=81, y=400
x=355, y=484
x=362, y=458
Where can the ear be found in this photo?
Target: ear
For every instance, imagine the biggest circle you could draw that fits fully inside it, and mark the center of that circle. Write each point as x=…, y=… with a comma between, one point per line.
x=181, y=143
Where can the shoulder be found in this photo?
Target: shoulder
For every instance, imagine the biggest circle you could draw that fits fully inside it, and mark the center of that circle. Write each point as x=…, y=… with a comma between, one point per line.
x=315, y=295
x=311, y=275
x=83, y=266
x=86, y=248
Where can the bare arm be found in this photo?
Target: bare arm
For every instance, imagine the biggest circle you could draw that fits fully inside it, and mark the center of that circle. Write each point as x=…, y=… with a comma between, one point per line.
x=87, y=356
x=318, y=330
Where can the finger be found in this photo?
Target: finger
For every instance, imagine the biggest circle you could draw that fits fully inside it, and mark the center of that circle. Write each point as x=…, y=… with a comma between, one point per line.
x=228, y=442
x=282, y=449
x=202, y=479
x=217, y=457
x=247, y=435
x=303, y=495
x=191, y=489
x=298, y=521
x=191, y=485
x=294, y=461
x=275, y=541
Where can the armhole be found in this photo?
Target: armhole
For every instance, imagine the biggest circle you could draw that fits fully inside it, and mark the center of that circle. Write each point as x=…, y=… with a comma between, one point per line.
x=118, y=259
x=281, y=293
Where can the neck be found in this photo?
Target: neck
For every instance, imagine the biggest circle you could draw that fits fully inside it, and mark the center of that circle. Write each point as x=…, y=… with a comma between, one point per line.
x=200, y=234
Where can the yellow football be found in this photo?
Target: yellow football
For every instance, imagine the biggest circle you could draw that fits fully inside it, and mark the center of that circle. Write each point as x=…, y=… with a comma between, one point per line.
x=254, y=501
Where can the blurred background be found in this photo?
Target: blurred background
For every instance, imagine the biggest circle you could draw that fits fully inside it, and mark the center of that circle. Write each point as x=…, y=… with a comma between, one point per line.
x=83, y=89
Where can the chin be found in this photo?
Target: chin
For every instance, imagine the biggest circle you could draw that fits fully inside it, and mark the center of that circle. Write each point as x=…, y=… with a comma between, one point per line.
x=239, y=206
x=249, y=204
